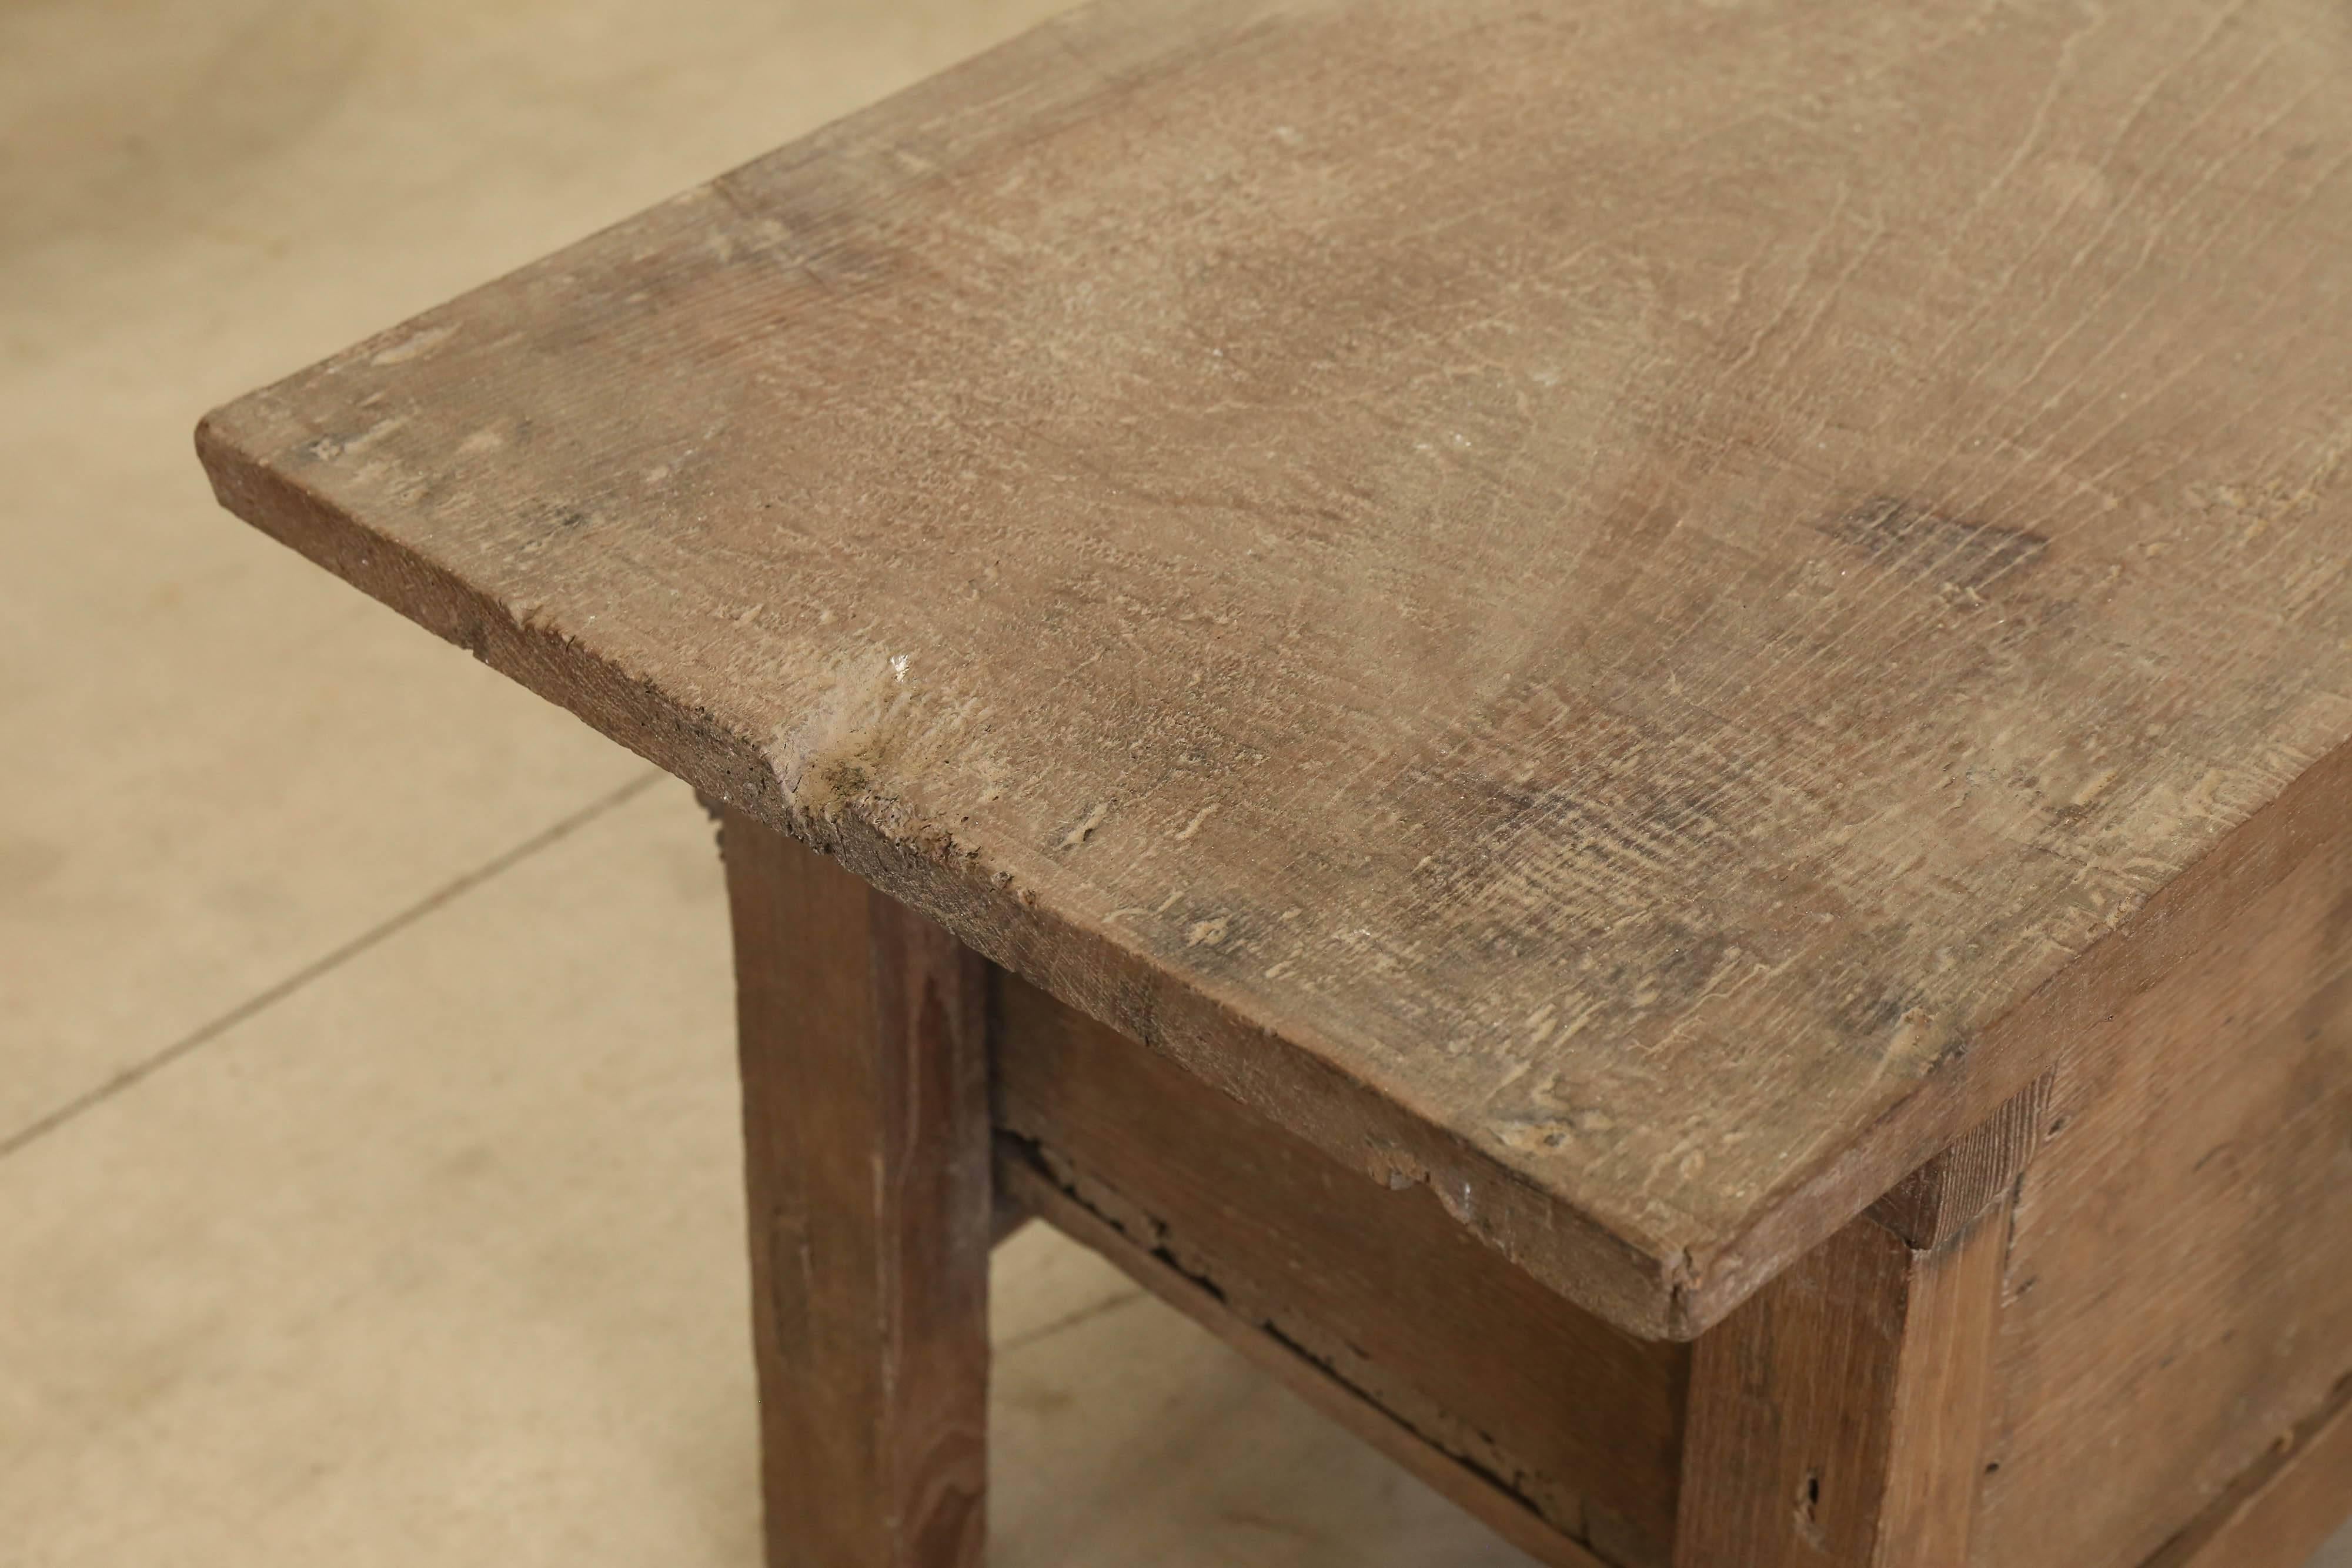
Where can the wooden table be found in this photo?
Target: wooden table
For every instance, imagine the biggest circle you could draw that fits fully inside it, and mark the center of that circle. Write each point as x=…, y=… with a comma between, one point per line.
x=1621, y=727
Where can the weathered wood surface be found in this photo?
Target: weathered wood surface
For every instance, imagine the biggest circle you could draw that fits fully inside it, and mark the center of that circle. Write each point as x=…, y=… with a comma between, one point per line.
x=1836, y=1418
x=2180, y=1290
x=1616, y=607
x=1507, y=1513
x=1935, y=1203
x=2284, y=1509
x=1580, y=1424
x=868, y=1156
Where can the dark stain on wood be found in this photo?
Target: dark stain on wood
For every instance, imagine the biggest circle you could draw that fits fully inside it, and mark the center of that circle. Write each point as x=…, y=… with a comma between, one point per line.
x=1918, y=540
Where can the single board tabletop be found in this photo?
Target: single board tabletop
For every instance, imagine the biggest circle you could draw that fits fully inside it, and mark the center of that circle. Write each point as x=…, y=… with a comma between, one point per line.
x=1592, y=605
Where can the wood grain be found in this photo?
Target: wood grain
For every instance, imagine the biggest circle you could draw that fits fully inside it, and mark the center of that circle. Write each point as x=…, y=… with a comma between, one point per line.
x=866, y=1125
x=2283, y=1511
x=1505, y=1512
x=1836, y=1418
x=1380, y=1289
x=1935, y=1203
x=1607, y=607
x=2180, y=1288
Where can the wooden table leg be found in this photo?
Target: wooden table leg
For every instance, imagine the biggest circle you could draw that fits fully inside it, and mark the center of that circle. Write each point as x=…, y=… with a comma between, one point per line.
x=865, y=1124
x=1838, y=1417
x=1837, y=1420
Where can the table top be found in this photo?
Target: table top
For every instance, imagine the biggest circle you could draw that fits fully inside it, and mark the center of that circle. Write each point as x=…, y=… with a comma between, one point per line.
x=1581, y=602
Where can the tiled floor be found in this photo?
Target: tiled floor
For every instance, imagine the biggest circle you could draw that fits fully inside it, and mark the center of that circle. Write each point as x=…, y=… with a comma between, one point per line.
x=367, y=1170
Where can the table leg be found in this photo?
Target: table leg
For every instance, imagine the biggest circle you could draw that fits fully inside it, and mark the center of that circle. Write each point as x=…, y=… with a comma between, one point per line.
x=862, y=1032
x=1838, y=1417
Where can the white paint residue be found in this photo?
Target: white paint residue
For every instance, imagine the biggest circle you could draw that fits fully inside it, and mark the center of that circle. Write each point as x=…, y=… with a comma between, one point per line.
x=1086, y=828
x=370, y=436
x=1199, y=817
x=873, y=738
x=2094, y=788
x=481, y=441
x=1206, y=933
x=407, y=348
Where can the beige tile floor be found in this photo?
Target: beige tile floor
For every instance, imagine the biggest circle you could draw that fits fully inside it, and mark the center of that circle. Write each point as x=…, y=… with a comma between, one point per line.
x=367, y=1170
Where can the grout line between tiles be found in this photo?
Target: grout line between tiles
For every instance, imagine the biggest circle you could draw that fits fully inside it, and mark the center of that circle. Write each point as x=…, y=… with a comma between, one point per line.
x=448, y=893
x=1088, y=1314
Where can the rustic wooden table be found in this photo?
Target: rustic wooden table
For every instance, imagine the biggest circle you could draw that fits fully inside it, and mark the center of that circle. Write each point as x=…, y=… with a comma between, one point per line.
x=1621, y=727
